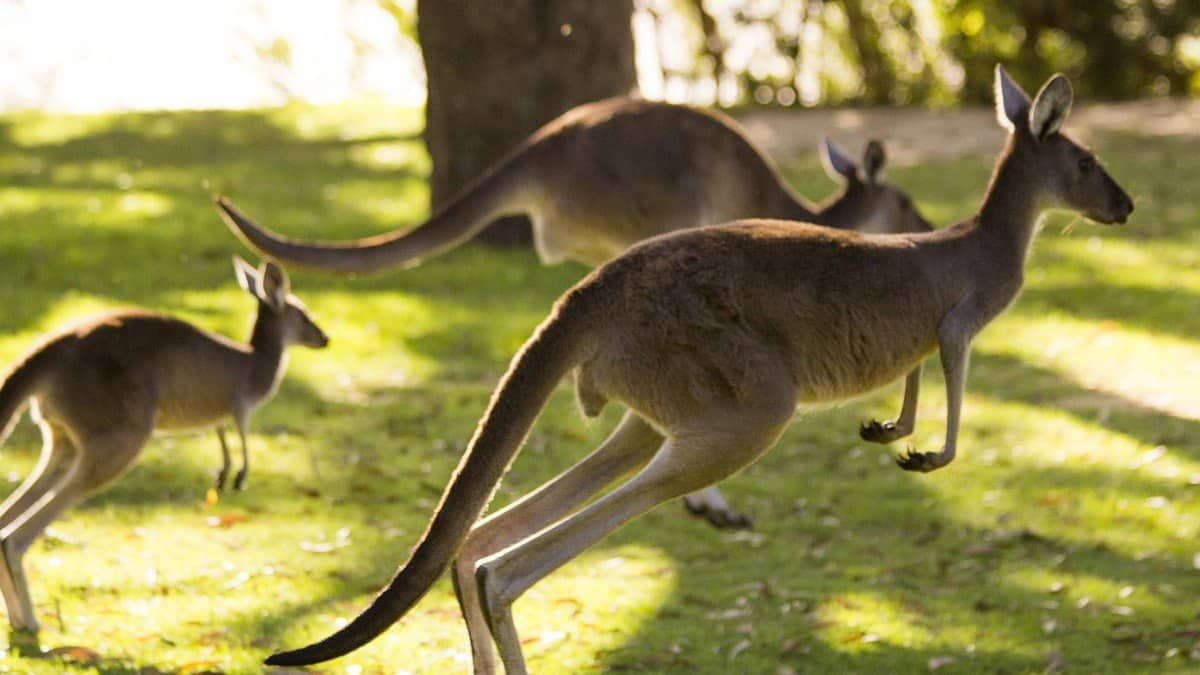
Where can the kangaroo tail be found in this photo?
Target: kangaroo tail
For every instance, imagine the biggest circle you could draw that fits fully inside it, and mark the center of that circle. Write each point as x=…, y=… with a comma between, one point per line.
x=495, y=194
x=18, y=385
x=557, y=345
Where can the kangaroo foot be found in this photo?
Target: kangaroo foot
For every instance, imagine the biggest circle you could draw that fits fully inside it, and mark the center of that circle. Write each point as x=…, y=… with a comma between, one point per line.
x=924, y=462
x=721, y=517
x=882, y=432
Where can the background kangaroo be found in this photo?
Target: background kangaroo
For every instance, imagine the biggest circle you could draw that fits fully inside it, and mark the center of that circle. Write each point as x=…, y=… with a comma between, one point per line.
x=101, y=386
x=711, y=338
x=606, y=175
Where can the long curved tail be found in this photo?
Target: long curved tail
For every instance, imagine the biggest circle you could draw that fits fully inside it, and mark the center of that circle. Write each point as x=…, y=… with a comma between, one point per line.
x=497, y=193
x=16, y=389
x=559, y=343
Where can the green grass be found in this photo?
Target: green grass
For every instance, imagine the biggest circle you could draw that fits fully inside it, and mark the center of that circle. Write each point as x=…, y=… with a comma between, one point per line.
x=1064, y=536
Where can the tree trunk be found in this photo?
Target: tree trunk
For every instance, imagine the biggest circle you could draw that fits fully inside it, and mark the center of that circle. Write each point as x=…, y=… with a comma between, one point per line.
x=878, y=79
x=498, y=70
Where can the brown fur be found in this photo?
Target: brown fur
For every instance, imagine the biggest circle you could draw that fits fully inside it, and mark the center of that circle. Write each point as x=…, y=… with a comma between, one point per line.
x=712, y=337
x=101, y=386
x=606, y=175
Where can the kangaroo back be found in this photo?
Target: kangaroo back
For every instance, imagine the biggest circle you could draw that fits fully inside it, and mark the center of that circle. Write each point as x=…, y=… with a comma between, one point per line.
x=557, y=345
x=495, y=194
x=18, y=387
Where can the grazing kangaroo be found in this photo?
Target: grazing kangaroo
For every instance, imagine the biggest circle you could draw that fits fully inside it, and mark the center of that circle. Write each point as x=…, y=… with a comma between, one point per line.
x=101, y=386
x=711, y=338
x=606, y=175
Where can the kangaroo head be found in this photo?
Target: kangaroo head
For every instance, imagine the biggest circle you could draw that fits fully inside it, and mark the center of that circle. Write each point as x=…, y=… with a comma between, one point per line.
x=867, y=202
x=1068, y=174
x=270, y=286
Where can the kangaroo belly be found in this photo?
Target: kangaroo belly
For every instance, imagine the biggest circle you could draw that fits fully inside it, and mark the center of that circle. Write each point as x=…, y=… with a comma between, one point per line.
x=193, y=394
x=174, y=415
x=842, y=364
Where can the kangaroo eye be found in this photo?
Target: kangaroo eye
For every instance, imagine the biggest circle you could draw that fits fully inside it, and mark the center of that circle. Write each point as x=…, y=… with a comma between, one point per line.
x=1086, y=164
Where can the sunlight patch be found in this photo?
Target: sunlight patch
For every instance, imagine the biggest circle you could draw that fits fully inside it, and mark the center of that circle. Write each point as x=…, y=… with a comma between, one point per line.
x=854, y=622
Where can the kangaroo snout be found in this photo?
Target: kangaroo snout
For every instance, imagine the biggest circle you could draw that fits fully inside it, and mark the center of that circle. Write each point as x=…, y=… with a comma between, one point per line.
x=1117, y=213
x=1124, y=208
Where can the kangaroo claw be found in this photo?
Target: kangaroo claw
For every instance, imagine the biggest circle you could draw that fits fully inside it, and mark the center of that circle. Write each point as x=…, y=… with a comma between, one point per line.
x=923, y=462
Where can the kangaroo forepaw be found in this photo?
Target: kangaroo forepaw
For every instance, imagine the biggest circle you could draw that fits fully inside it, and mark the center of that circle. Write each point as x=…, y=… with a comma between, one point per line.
x=881, y=432
x=924, y=462
x=723, y=518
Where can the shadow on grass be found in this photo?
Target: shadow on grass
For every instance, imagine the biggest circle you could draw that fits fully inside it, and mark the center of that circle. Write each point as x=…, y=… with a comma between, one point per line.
x=887, y=541
x=128, y=212
x=835, y=526
x=1004, y=377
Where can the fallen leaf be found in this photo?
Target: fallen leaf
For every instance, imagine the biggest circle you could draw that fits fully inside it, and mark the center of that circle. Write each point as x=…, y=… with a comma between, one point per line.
x=306, y=491
x=80, y=655
x=341, y=540
x=211, y=497
x=1053, y=499
x=226, y=519
x=940, y=662
x=980, y=549
x=738, y=649
x=198, y=668
x=1124, y=634
x=240, y=579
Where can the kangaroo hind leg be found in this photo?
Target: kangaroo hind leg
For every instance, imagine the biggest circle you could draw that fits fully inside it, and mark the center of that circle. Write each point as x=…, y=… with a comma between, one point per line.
x=687, y=461
x=629, y=446
x=56, y=454
x=96, y=462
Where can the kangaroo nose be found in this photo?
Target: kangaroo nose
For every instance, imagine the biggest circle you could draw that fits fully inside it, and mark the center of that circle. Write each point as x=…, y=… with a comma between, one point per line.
x=1126, y=204
x=1124, y=208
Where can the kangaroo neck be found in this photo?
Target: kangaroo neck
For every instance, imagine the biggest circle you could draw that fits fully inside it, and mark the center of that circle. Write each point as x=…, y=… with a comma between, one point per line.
x=782, y=202
x=266, y=353
x=840, y=211
x=1011, y=207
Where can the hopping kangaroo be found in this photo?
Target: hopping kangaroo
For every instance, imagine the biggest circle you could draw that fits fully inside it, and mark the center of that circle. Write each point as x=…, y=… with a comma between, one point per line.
x=101, y=386
x=711, y=338
x=606, y=175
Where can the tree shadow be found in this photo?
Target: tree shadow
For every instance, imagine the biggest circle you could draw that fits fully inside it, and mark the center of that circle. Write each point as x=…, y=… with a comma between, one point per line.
x=754, y=602
x=1005, y=377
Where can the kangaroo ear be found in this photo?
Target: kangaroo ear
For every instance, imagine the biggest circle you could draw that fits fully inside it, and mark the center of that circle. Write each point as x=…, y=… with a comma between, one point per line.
x=837, y=163
x=1051, y=107
x=1012, y=103
x=873, y=160
x=247, y=276
x=275, y=285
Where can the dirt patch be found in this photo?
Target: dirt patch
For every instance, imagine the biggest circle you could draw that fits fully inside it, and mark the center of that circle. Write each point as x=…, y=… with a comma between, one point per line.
x=914, y=135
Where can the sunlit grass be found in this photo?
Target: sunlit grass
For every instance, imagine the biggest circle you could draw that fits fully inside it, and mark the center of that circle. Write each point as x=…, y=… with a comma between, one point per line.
x=1064, y=536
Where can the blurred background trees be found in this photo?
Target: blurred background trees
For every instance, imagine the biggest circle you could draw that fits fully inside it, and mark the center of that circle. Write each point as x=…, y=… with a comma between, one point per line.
x=497, y=71
x=490, y=72
x=921, y=51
